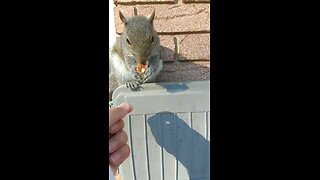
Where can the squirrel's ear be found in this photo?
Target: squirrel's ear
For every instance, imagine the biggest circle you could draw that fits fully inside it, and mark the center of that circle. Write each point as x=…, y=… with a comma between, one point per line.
x=123, y=19
x=151, y=17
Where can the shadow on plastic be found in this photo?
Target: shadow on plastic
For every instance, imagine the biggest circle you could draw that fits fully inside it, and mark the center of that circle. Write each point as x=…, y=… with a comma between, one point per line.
x=175, y=88
x=176, y=137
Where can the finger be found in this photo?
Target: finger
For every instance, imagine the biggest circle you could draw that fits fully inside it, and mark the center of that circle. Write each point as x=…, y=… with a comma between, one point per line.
x=119, y=125
x=116, y=158
x=116, y=141
x=118, y=113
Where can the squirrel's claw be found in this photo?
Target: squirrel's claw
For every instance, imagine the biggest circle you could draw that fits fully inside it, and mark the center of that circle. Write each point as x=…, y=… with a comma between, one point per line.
x=133, y=86
x=148, y=74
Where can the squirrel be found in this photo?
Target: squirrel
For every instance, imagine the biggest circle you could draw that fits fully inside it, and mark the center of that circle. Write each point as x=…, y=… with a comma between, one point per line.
x=135, y=55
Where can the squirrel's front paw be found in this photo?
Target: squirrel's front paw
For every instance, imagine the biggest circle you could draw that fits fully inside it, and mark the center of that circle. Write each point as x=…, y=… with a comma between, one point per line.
x=148, y=75
x=134, y=74
x=133, y=85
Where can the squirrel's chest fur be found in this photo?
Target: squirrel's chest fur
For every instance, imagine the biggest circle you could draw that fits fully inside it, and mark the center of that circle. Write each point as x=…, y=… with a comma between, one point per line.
x=118, y=64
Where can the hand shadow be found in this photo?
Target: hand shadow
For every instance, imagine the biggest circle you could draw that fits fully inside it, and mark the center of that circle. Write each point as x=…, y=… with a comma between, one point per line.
x=176, y=137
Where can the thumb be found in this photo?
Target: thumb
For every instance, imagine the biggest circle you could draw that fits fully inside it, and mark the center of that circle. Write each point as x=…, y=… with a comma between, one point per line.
x=119, y=112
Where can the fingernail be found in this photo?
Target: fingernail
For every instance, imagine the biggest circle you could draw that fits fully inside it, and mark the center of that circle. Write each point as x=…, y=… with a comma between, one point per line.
x=130, y=107
x=127, y=106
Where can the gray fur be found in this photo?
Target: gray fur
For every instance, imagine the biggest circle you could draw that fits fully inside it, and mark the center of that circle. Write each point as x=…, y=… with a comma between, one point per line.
x=133, y=47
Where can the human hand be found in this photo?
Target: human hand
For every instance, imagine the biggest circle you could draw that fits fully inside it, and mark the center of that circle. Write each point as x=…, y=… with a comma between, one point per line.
x=118, y=149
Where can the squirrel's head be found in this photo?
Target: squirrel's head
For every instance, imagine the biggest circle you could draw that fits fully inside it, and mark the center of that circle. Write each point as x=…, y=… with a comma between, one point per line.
x=139, y=36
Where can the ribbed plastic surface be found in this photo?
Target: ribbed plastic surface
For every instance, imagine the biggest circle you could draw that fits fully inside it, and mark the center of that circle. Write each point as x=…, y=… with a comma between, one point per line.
x=168, y=131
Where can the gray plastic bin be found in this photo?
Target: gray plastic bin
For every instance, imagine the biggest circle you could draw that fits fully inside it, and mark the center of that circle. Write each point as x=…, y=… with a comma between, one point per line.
x=168, y=131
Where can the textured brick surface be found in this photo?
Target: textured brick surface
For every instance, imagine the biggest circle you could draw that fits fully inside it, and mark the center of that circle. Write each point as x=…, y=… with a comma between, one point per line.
x=191, y=1
x=187, y=71
x=171, y=18
x=194, y=46
x=191, y=47
x=167, y=52
x=141, y=1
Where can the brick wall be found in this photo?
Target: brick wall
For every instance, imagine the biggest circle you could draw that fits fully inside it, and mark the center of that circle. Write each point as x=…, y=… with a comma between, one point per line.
x=184, y=31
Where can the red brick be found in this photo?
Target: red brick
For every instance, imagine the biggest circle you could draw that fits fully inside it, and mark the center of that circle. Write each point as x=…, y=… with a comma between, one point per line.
x=186, y=71
x=191, y=47
x=167, y=51
x=194, y=46
x=141, y=1
x=195, y=1
x=171, y=18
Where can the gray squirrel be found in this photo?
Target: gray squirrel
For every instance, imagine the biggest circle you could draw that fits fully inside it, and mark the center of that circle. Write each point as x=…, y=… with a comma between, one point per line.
x=135, y=55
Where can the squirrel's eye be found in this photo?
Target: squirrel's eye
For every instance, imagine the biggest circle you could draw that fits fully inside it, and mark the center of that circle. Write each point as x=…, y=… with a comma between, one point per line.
x=128, y=41
x=152, y=39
